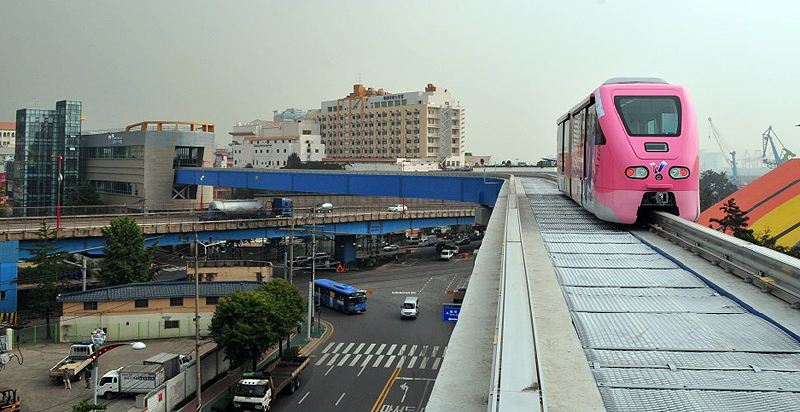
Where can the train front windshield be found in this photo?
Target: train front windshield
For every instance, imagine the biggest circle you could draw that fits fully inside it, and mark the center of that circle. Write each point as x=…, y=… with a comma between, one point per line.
x=650, y=115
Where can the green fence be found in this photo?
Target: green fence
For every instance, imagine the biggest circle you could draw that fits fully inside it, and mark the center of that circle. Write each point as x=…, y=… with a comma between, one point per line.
x=127, y=331
x=37, y=334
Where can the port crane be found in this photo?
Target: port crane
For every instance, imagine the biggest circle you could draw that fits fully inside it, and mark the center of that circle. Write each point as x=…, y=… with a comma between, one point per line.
x=768, y=139
x=726, y=150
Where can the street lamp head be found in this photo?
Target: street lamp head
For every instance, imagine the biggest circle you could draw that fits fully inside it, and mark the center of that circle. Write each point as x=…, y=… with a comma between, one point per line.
x=138, y=345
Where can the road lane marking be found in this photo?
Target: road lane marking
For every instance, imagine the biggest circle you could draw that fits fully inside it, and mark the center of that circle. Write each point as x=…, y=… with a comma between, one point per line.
x=389, y=361
x=400, y=378
x=401, y=361
x=385, y=392
x=358, y=348
x=344, y=359
x=339, y=346
x=348, y=347
x=402, y=349
x=333, y=359
x=329, y=370
x=340, y=399
x=328, y=347
x=425, y=285
x=423, y=363
x=355, y=360
x=303, y=398
x=433, y=354
x=423, y=350
x=359, y=372
x=436, y=363
x=412, y=362
x=391, y=349
x=380, y=348
x=377, y=361
x=369, y=349
x=322, y=359
x=366, y=361
x=411, y=351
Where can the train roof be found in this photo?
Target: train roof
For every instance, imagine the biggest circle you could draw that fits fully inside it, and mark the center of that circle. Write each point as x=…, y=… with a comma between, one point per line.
x=627, y=80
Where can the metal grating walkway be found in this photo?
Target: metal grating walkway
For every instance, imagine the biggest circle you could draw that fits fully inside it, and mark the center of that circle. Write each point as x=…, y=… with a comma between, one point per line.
x=656, y=337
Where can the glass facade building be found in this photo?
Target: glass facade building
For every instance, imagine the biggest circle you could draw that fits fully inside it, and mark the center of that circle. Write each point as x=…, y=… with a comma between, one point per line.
x=43, y=136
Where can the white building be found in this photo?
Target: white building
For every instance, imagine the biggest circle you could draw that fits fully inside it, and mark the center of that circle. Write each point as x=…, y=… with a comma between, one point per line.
x=268, y=144
x=8, y=136
x=375, y=124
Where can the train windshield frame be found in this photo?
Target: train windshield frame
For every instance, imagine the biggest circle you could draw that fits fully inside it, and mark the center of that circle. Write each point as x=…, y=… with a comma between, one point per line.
x=650, y=116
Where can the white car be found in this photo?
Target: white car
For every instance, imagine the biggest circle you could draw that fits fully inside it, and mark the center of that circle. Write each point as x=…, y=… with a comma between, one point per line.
x=390, y=248
x=447, y=254
x=397, y=208
x=323, y=208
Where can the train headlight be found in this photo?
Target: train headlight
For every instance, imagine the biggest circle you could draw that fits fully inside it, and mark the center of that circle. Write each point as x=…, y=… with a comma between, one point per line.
x=636, y=172
x=679, y=172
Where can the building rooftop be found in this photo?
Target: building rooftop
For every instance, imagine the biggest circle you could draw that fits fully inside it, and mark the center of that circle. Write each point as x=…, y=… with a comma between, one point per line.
x=8, y=126
x=157, y=290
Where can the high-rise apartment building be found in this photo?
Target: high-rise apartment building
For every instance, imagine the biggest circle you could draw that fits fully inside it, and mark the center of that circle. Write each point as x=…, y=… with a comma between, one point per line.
x=268, y=144
x=45, y=139
x=371, y=123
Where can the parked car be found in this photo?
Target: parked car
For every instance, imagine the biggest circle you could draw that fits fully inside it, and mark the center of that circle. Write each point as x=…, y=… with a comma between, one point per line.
x=323, y=208
x=397, y=208
x=463, y=241
x=389, y=248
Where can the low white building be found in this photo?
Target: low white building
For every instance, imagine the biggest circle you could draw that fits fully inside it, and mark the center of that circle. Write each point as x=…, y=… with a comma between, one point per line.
x=268, y=144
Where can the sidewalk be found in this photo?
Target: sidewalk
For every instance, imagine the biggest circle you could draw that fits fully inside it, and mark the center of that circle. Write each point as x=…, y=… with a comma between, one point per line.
x=221, y=387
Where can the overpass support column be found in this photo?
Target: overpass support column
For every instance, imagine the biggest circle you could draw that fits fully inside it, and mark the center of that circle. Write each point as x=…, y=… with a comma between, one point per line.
x=345, y=248
x=9, y=256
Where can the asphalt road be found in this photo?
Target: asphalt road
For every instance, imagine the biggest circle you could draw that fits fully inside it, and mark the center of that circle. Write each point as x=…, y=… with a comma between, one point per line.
x=376, y=360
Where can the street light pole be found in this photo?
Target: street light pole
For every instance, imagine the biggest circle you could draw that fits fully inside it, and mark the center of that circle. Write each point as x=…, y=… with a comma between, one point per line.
x=58, y=195
x=313, y=270
x=197, y=320
x=98, y=338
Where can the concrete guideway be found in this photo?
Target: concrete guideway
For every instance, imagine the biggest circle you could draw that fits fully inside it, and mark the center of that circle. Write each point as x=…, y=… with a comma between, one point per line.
x=536, y=363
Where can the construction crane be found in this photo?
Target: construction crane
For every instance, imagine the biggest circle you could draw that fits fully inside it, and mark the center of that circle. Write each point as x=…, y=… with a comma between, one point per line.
x=768, y=140
x=726, y=149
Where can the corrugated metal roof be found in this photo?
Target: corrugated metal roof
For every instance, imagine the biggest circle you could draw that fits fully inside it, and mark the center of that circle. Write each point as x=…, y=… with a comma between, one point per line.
x=771, y=202
x=157, y=290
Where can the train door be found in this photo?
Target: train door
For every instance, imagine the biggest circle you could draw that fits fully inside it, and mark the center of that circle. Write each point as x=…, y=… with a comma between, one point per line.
x=567, y=163
x=588, y=164
x=561, y=156
x=576, y=155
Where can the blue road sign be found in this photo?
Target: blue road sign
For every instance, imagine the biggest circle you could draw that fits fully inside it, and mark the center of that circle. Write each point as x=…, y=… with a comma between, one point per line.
x=450, y=313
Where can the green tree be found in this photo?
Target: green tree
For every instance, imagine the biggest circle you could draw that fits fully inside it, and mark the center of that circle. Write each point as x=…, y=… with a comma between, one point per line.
x=290, y=307
x=247, y=323
x=5, y=209
x=294, y=162
x=734, y=219
x=126, y=259
x=714, y=187
x=242, y=324
x=83, y=194
x=87, y=406
x=46, y=272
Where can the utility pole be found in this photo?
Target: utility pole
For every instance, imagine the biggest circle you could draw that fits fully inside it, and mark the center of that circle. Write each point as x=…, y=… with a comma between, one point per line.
x=291, y=253
x=311, y=298
x=197, y=320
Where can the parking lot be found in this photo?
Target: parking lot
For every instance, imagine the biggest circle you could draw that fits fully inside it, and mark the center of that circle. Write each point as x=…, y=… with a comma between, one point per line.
x=38, y=393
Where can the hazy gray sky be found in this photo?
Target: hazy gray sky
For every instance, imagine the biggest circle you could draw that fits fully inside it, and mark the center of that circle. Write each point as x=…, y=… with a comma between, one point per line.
x=514, y=66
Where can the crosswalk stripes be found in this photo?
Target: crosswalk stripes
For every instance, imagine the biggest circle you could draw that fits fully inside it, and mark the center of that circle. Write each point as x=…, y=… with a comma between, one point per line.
x=382, y=355
x=344, y=359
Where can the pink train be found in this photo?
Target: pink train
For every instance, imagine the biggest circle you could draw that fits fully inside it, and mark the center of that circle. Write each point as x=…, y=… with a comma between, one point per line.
x=631, y=146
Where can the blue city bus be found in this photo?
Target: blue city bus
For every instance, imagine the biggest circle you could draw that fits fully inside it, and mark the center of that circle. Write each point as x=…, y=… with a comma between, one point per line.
x=339, y=296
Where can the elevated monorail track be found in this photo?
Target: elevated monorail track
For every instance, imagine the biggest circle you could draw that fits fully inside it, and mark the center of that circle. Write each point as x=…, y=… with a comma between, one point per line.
x=657, y=335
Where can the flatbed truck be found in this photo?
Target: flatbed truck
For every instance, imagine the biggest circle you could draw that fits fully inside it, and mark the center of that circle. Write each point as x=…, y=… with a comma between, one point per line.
x=80, y=356
x=257, y=391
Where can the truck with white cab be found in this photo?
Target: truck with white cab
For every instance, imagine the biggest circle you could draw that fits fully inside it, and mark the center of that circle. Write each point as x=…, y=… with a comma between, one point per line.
x=80, y=356
x=257, y=391
x=130, y=379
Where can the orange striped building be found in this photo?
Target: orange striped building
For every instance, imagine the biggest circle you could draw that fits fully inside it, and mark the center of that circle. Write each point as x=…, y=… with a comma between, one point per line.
x=772, y=203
